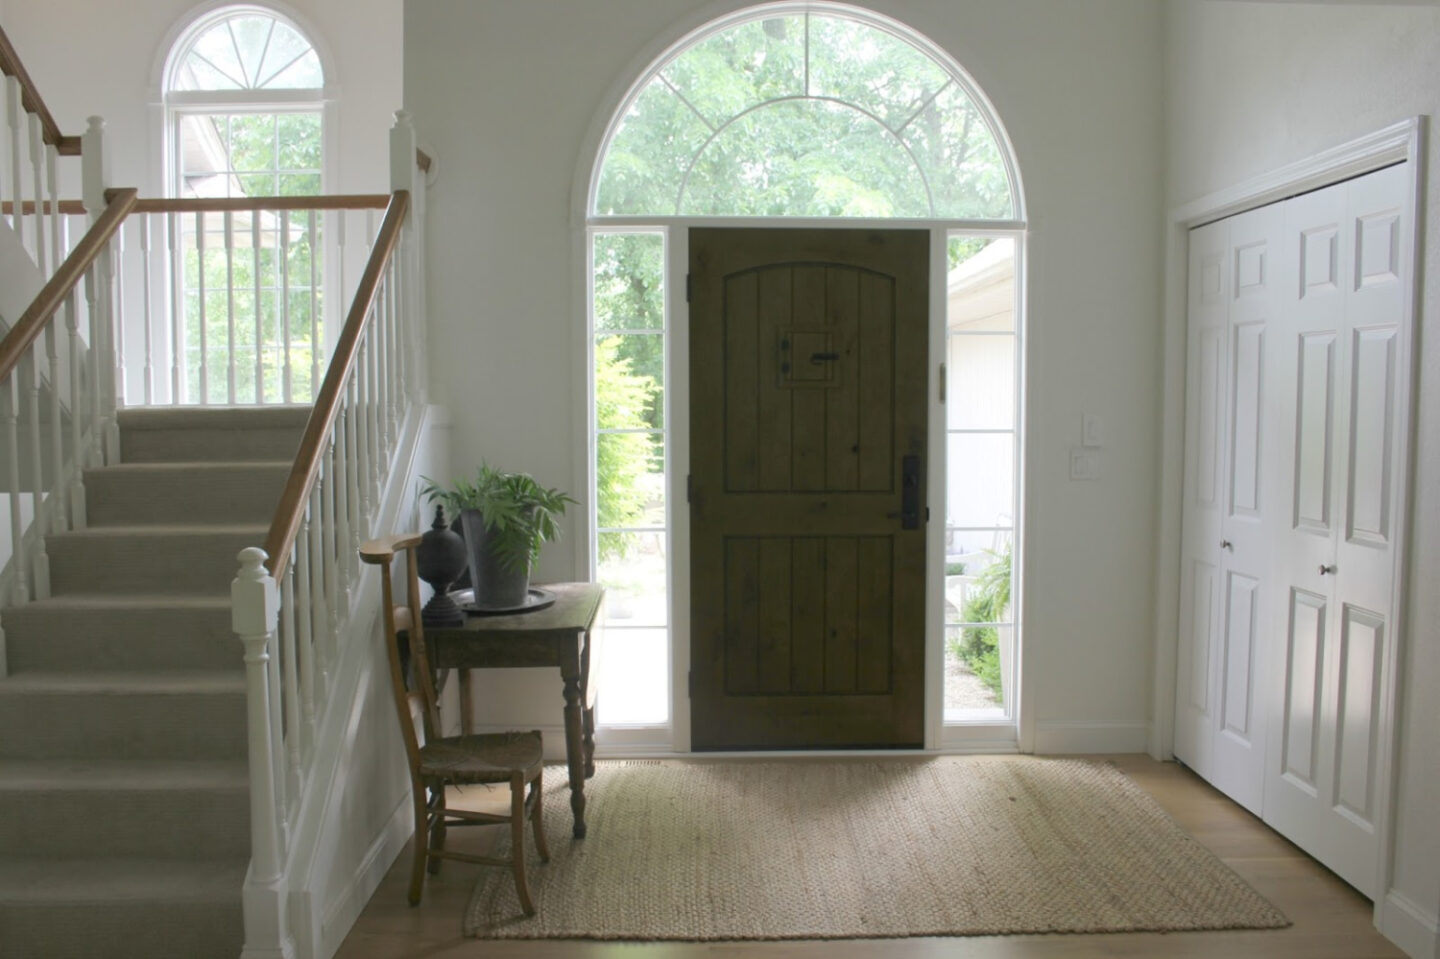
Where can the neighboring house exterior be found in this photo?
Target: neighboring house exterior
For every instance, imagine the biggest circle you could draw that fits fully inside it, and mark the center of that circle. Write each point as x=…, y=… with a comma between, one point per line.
x=1119, y=111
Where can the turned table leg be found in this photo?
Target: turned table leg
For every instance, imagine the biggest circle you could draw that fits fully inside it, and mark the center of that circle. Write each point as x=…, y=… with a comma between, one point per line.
x=575, y=752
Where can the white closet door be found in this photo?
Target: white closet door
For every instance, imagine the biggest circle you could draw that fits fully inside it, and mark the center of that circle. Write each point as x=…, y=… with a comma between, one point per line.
x=1204, y=464
x=1249, y=517
x=1342, y=380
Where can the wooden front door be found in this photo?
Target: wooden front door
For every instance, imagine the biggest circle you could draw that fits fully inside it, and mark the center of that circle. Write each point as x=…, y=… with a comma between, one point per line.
x=808, y=453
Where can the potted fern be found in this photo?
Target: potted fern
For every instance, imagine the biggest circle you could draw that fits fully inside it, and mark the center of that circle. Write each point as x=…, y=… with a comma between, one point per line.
x=506, y=517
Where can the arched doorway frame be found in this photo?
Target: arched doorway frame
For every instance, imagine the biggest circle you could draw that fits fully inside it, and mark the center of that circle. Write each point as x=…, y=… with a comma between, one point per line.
x=1017, y=732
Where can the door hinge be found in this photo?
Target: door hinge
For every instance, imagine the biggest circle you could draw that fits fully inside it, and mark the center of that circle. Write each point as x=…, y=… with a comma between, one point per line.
x=689, y=286
x=689, y=487
x=942, y=382
x=690, y=683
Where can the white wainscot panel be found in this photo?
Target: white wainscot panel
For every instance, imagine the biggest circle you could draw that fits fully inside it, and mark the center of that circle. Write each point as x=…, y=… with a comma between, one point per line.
x=1242, y=612
x=1372, y=400
x=1251, y=268
x=1377, y=249
x=1319, y=260
x=1202, y=585
x=1362, y=642
x=1305, y=657
x=1316, y=389
x=1247, y=366
x=1207, y=462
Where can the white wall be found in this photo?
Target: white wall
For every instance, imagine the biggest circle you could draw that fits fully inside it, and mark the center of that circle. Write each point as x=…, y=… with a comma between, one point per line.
x=1251, y=87
x=506, y=94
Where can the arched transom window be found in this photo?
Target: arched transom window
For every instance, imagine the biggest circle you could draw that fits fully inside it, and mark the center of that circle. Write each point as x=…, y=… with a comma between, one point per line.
x=809, y=111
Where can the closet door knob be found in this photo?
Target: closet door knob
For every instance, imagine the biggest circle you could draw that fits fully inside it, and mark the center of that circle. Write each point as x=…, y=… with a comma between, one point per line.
x=1326, y=569
x=1226, y=544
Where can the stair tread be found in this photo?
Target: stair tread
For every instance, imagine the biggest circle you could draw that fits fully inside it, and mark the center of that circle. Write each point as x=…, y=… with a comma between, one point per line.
x=67, y=880
x=124, y=601
x=121, y=683
x=183, y=465
x=269, y=416
x=102, y=775
x=167, y=529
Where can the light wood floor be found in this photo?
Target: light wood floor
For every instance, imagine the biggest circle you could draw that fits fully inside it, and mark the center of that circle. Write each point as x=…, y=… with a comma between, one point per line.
x=1331, y=920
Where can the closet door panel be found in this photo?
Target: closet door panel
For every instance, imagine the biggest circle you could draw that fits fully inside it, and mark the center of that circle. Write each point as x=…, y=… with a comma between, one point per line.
x=1200, y=594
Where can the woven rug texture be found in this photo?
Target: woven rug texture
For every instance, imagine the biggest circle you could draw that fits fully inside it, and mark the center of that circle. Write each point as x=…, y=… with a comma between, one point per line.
x=838, y=850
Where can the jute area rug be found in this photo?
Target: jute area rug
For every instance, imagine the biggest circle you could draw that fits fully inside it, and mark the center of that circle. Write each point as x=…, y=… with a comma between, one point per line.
x=839, y=850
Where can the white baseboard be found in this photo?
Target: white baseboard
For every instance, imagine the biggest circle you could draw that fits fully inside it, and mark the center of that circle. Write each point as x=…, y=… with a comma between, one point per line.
x=1057, y=736
x=357, y=892
x=1412, y=928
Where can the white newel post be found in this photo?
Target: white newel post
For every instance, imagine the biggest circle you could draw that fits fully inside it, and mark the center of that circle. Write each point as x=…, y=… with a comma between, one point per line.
x=95, y=178
x=255, y=608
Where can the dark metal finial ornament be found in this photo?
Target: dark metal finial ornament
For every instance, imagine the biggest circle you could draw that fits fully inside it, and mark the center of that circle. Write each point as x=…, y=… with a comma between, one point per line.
x=440, y=559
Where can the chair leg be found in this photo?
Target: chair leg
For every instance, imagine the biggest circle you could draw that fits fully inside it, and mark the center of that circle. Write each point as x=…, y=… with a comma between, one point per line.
x=517, y=841
x=422, y=836
x=437, y=826
x=537, y=817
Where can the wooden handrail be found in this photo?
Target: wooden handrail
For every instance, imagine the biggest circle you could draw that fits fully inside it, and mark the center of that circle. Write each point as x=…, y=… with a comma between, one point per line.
x=27, y=207
x=28, y=327
x=190, y=204
x=286, y=524
x=10, y=65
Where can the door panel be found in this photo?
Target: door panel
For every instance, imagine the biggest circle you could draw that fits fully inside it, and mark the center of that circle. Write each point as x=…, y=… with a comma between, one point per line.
x=808, y=373
x=1247, y=634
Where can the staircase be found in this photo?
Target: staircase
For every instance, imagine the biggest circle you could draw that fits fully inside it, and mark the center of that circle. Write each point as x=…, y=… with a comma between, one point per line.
x=124, y=810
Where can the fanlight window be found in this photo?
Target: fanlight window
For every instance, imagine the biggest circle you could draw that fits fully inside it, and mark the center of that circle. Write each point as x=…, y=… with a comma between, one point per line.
x=248, y=50
x=804, y=114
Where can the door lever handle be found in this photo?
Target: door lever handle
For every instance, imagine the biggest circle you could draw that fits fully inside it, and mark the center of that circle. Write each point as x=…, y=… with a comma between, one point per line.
x=1226, y=544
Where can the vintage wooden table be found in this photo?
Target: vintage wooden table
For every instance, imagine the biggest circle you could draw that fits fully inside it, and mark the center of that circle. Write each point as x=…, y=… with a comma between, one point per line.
x=562, y=635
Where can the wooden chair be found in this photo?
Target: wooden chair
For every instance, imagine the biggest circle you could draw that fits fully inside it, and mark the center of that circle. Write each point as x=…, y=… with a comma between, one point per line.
x=438, y=761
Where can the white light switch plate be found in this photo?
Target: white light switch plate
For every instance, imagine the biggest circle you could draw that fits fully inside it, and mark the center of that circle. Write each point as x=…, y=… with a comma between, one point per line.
x=1084, y=464
x=1091, y=430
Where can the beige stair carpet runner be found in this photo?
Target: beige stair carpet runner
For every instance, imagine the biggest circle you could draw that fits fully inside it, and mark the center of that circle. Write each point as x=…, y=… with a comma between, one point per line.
x=833, y=850
x=124, y=801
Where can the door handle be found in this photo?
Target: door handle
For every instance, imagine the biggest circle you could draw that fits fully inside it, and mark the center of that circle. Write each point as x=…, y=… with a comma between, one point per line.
x=1326, y=569
x=820, y=359
x=1226, y=544
x=910, y=492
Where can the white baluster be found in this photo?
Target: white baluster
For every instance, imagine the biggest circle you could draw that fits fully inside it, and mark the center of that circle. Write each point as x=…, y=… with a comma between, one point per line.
x=283, y=252
x=362, y=438
x=319, y=610
x=288, y=624
x=78, y=519
x=40, y=562
x=52, y=177
x=337, y=303
x=12, y=101
x=254, y=605
x=200, y=287
x=345, y=540
x=57, y=454
x=37, y=173
x=378, y=323
x=283, y=786
x=373, y=429
x=147, y=306
x=290, y=689
x=229, y=226
x=115, y=286
x=316, y=326
x=259, y=312
x=20, y=589
x=305, y=636
x=95, y=453
x=176, y=267
x=332, y=554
